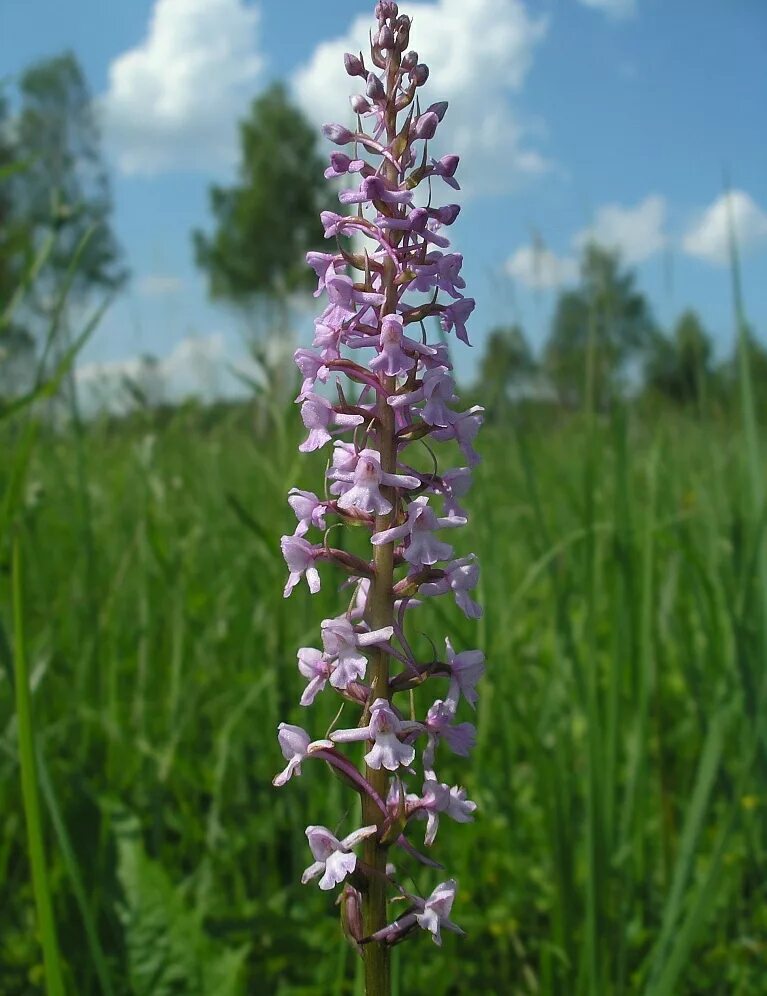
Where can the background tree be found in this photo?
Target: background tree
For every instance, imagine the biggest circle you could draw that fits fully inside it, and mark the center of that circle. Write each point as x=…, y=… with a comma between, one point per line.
x=680, y=367
x=598, y=329
x=266, y=221
x=16, y=344
x=63, y=189
x=506, y=365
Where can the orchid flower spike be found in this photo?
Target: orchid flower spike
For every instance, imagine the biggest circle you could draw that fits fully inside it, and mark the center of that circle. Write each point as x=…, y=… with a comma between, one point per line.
x=377, y=389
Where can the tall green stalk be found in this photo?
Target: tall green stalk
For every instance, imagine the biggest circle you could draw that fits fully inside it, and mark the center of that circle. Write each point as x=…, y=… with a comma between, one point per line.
x=30, y=791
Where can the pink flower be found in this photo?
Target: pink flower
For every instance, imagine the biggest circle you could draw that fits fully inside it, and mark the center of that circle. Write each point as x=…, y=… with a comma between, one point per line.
x=440, y=724
x=423, y=548
x=310, y=511
x=295, y=746
x=432, y=914
x=316, y=667
x=463, y=429
x=456, y=315
x=465, y=671
x=384, y=729
x=300, y=557
x=366, y=481
x=461, y=577
x=439, y=798
x=334, y=859
x=342, y=644
x=435, y=913
x=317, y=414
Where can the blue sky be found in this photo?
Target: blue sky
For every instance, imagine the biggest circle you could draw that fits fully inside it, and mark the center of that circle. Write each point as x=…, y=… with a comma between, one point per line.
x=615, y=117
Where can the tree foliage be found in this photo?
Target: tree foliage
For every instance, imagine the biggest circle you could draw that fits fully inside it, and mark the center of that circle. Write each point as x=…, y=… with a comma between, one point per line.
x=507, y=364
x=680, y=366
x=597, y=330
x=63, y=189
x=266, y=221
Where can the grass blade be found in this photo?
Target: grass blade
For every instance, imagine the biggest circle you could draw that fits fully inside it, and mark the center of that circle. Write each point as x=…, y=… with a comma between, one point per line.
x=29, y=786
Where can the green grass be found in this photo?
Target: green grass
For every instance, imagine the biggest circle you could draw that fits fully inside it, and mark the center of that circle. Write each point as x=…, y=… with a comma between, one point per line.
x=621, y=766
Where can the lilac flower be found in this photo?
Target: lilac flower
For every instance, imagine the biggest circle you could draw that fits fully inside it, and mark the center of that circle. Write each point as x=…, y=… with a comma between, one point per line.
x=465, y=671
x=364, y=494
x=295, y=745
x=464, y=429
x=384, y=729
x=432, y=914
x=316, y=667
x=440, y=724
x=310, y=511
x=454, y=484
x=334, y=859
x=300, y=557
x=312, y=369
x=392, y=360
x=461, y=577
x=317, y=414
x=437, y=390
x=342, y=644
x=438, y=798
x=456, y=315
x=423, y=547
x=436, y=911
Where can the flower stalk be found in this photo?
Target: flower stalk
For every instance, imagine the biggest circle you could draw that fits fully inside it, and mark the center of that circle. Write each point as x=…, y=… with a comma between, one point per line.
x=384, y=477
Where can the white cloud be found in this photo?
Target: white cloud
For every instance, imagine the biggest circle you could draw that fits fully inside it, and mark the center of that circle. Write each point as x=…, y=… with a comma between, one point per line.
x=159, y=285
x=541, y=269
x=637, y=233
x=194, y=367
x=613, y=8
x=478, y=51
x=173, y=101
x=708, y=238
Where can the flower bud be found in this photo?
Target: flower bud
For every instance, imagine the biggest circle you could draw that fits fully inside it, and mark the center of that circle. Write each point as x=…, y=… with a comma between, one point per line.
x=409, y=61
x=448, y=165
x=420, y=74
x=340, y=162
x=338, y=134
x=425, y=126
x=385, y=39
x=375, y=88
x=386, y=9
x=360, y=104
x=439, y=109
x=354, y=65
x=350, y=902
x=403, y=32
x=446, y=215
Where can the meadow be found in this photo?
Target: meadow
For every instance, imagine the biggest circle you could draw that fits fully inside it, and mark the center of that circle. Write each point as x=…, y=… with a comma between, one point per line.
x=621, y=764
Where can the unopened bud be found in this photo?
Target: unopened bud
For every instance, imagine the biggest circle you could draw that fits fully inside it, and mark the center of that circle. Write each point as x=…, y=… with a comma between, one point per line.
x=446, y=215
x=360, y=104
x=350, y=902
x=386, y=9
x=448, y=165
x=426, y=126
x=375, y=88
x=410, y=61
x=420, y=74
x=354, y=65
x=439, y=109
x=403, y=32
x=338, y=134
x=385, y=38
